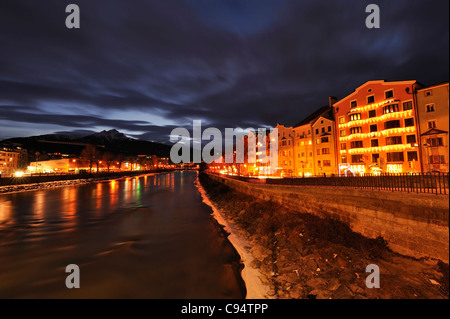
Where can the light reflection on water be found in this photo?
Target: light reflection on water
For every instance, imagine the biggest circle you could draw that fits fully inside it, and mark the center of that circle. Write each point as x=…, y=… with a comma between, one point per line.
x=143, y=237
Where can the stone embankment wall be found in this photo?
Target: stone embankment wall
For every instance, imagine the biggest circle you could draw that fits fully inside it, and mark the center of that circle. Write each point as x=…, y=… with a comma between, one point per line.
x=412, y=224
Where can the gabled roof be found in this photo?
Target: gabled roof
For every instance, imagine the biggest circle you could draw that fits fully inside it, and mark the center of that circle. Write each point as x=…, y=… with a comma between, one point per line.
x=434, y=131
x=320, y=112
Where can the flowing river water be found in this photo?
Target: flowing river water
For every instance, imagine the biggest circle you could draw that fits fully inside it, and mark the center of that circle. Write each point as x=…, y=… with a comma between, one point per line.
x=149, y=236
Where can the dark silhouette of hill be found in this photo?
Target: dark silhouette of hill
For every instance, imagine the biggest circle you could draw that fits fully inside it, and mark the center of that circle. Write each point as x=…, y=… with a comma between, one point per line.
x=108, y=141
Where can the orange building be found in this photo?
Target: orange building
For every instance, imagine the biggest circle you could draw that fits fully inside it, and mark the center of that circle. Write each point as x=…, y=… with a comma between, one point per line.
x=433, y=111
x=377, y=129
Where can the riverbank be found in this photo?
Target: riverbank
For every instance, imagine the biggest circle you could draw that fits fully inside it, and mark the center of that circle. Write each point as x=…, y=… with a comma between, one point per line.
x=302, y=256
x=21, y=187
x=254, y=288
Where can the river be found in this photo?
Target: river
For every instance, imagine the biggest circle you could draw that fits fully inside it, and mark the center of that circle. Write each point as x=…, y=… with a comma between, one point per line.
x=149, y=236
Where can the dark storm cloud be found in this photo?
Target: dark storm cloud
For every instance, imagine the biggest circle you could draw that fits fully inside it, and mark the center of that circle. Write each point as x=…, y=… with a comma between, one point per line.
x=229, y=63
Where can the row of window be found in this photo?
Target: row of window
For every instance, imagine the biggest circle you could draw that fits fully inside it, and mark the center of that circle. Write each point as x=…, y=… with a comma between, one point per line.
x=391, y=108
x=325, y=163
x=391, y=157
x=303, y=154
x=371, y=98
x=391, y=140
x=374, y=127
x=7, y=165
x=323, y=130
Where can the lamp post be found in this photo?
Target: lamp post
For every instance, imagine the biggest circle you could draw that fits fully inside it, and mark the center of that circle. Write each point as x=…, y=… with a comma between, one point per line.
x=427, y=146
x=37, y=158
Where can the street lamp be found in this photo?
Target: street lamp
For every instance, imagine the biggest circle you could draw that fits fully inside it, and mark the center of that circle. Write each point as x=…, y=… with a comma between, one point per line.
x=427, y=146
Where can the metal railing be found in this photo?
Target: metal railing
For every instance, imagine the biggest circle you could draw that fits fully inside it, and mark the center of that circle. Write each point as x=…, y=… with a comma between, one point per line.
x=433, y=183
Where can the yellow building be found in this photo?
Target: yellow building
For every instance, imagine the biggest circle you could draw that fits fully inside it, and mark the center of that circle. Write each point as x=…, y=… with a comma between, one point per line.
x=286, y=165
x=9, y=162
x=303, y=153
x=433, y=114
x=308, y=148
x=323, y=136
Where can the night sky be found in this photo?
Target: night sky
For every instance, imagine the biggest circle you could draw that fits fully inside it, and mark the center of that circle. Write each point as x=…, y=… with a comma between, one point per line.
x=145, y=67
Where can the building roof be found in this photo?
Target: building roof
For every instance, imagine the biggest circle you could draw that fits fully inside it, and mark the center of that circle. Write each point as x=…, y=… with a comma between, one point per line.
x=434, y=131
x=384, y=82
x=323, y=111
x=424, y=88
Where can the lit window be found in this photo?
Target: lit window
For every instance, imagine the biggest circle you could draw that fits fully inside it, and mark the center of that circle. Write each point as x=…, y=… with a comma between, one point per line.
x=355, y=117
x=342, y=133
x=356, y=130
x=342, y=120
x=390, y=108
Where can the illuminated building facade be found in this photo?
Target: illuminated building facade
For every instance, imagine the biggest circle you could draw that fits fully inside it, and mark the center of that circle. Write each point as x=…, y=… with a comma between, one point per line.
x=286, y=165
x=9, y=162
x=308, y=148
x=433, y=111
x=304, y=149
x=377, y=129
x=323, y=137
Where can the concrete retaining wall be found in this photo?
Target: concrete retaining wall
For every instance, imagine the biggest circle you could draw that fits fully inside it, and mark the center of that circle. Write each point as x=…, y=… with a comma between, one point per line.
x=412, y=224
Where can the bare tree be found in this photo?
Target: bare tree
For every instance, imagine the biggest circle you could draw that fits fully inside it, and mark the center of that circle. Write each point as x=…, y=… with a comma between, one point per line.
x=90, y=153
x=109, y=159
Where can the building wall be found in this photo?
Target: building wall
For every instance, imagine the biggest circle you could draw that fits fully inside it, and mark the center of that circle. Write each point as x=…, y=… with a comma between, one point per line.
x=433, y=111
x=303, y=151
x=371, y=113
x=9, y=161
x=285, y=151
x=324, y=147
x=51, y=166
